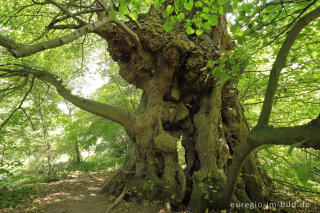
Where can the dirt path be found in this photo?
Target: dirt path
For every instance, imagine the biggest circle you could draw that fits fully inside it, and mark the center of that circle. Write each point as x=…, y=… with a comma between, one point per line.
x=79, y=193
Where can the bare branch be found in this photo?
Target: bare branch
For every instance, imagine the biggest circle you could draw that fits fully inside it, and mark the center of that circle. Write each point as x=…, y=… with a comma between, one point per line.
x=20, y=105
x=67, y=12
x=280, y=63
x=28, y=117
x=56, y=20
x=65, y=26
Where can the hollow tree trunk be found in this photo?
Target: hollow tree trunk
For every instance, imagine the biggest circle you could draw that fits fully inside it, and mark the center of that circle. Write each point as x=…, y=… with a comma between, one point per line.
x=180, y=99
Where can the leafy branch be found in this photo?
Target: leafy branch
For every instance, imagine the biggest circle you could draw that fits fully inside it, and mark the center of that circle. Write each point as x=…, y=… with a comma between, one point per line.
x=262, y=134
x=116, y=114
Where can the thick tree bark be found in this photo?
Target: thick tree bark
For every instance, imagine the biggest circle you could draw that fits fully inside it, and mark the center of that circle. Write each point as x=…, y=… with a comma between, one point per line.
x=180, y=99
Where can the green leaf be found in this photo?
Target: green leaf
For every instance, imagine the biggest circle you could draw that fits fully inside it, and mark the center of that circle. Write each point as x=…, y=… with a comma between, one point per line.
x=304, y=172
x=221, y=2
x=173, y=19
x=112, y=14
x=188, y=5
x=235, y=28
x=157, y=4
x=213, y=20
x=169, y=9
x=181, y=16
x=190, y=30
x=207, y=26
x=134, y=16
x=241, y=40
x=204, y=16
x=168, y=26
x=235, y=68
x=165, y=15
x=199, y=31
x=221, y=10
x=199, y=3
x=123, y=9
x=291, y=148
x=248, y=7
x=188, y=23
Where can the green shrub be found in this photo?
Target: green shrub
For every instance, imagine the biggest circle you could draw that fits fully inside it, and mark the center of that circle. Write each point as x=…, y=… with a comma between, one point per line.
x=12, y=197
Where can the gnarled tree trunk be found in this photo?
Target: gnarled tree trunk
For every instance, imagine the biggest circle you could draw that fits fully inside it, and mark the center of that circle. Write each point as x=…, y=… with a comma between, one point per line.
x=180, y=100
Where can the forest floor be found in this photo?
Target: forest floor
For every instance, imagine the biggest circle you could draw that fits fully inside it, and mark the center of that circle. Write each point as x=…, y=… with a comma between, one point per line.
x=79, y=193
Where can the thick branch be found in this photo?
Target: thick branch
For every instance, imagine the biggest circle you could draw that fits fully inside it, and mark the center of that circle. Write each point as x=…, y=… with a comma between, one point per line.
x=20, y=50
x=116, y=114
x=279, y=64
x=307, y=134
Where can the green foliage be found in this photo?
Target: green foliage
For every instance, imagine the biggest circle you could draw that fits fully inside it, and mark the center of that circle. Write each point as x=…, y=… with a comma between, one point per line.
x=299, y=170
x=96, y=163
x=230, y=64
x=205, y=18
x=12, y=197
x=258, y=27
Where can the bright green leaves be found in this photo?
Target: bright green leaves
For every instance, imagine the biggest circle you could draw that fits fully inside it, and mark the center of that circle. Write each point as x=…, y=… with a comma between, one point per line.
x=169, y=9
x=222, y=2
x=213, y=20
x=304, y=172
x=235, y=68
x=112, y=14
x=168, y=26
x=181, y=16
x=157, y=4
x=293, y=146
x=188, y=5
x=123, y=9
x=274, y=8
x=235, y=28
x=133, y=15
x=190, y=30
x=199, y=4
x=204, y=19
x=199, y=31
x=230, y=64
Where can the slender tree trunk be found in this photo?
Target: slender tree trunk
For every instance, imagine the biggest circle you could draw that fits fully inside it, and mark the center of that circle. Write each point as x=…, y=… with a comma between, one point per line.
x=78, y=153
x=47, y=143
x=47, y=146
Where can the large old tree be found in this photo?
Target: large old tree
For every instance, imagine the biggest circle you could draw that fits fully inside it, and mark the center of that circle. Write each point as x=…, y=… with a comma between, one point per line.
x=184, y=58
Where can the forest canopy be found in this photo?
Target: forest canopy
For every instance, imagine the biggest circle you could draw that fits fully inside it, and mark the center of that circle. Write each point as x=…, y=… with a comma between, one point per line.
x=204, y=102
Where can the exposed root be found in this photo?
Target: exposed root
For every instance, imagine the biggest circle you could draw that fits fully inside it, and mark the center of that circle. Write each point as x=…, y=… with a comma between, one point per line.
x=117, y=201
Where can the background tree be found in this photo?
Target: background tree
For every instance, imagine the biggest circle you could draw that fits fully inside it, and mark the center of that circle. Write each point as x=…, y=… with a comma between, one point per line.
x=180, y=54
